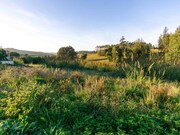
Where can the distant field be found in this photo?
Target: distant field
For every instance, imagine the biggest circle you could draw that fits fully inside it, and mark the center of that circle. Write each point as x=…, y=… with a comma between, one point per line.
x=156, y=50
x=95, y=59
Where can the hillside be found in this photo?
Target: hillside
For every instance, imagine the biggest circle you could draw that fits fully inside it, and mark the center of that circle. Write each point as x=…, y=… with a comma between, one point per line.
x=31, y=53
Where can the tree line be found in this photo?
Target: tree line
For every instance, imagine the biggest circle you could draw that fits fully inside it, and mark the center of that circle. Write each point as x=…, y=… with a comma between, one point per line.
x=126, y=51
x=169, y=43
x=168, y=49
x=64, y=54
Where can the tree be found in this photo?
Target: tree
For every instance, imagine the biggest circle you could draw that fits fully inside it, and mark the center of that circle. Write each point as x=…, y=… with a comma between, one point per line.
x=163, y=41
x=114, y=53
x=120, y=54
x=3, y=54
x=38, y=60
x=109, y=53
x=160, y=42
x=140, y=49
x=173, y=53
x=14, y=55
x=122, y=40
x=66, y=54
x=27, y=59
x=82, y=56
x=117, y=54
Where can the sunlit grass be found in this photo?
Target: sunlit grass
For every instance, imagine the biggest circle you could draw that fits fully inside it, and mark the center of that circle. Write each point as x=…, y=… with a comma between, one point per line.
x=95, y=56
x=41, y=100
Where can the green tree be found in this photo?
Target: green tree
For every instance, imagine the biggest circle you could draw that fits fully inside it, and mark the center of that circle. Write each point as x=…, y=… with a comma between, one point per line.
x=14, y=55
x=38, y=60
x=163, y=41
x=122, y=40
x=117, y=54
x=3, y=54
x=83, y=56
x=160, y=42
x=66, y=54
x=109, y=53
x=27, y=59
x=128, y=54
x=114, y=53
x=173, y=53
x=141, y=50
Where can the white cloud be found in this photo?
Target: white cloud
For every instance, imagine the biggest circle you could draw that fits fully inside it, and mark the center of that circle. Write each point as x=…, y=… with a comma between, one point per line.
x=36, y=32
x=26, y=13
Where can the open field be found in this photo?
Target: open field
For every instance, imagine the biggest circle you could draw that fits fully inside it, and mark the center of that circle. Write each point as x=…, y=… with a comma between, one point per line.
x=96, y=57
x=46, y=101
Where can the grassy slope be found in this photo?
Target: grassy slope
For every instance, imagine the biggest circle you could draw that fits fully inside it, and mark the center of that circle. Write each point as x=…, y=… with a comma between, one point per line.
x=101, y=61
x=95, y=57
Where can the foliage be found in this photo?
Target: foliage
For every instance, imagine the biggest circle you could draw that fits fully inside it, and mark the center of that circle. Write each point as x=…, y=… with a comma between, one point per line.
x=163, y=41
x=27, y=59
x=54, y=101
x=14, y=55
x=167, y=52
x=83, y=56
x=127, y=51
x=102, y=52
x=3, y=54
x=32, y=59
x=140, y=50
x=38, y=60
x=170, y=44
x=173, y=54
x=67, y=54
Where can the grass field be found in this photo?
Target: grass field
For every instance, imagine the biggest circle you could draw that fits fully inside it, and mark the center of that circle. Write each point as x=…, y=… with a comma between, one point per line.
x=49, y=101
x=94, y=60
x=96, y=57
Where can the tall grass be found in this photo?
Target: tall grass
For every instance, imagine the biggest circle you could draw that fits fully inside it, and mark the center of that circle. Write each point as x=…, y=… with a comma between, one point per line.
x=54, y=101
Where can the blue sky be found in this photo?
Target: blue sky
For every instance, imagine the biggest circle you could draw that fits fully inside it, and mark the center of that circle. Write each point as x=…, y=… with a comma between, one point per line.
x=47, y=25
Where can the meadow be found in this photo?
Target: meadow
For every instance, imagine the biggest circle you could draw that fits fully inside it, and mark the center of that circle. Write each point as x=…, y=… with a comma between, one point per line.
x=54, y=101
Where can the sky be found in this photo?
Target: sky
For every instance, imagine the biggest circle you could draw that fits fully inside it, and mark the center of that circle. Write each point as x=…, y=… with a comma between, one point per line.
x=47, y=25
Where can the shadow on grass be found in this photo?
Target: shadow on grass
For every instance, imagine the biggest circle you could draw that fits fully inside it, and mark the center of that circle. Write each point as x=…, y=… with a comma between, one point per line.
x=73, y=116
x=71, y=109
x=160, y=71
x=94, y=70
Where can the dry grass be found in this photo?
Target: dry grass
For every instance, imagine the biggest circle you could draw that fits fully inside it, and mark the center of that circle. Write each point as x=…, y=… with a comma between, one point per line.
x=80, y=101
x=95, y=56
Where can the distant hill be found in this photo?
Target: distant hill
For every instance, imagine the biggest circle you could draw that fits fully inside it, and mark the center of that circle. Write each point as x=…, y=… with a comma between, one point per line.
x=31, y=53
